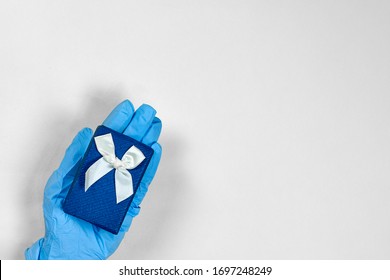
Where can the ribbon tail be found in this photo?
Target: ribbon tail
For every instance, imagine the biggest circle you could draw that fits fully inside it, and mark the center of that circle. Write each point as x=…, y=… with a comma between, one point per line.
x=123, y=184
x=96, y=171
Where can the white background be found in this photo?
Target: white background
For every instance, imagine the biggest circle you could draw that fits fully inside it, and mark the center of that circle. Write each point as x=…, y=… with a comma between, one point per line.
x=275, y=115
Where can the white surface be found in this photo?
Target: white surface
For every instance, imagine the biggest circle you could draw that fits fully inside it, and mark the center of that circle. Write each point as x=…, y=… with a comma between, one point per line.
x=276, y=120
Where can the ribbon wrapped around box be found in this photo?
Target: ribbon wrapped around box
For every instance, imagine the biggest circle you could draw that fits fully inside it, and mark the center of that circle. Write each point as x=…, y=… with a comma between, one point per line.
x=107, y=179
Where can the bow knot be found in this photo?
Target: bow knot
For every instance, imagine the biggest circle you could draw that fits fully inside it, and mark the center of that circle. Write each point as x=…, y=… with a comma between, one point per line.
x=117, y=163
x=114, y=161
x=109, y=161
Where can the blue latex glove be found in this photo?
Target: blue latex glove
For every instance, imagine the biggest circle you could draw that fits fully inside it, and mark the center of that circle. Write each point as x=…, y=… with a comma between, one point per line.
x=68, y=237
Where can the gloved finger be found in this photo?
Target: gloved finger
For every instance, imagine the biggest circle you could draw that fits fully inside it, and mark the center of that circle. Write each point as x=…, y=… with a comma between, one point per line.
x=143, y=187
x=141, y=122
x=153, y=133
x=72, y=156
x=152, y=168
x=120, y=117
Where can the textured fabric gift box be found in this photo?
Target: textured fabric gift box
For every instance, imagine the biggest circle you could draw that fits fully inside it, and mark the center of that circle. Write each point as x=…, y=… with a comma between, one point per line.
x=98, y=205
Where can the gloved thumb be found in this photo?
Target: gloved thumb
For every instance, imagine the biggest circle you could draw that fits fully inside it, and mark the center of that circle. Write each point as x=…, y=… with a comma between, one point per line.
x=72, y=156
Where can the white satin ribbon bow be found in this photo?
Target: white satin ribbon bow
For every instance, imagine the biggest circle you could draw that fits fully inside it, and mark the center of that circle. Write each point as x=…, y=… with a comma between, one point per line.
x=123, y=180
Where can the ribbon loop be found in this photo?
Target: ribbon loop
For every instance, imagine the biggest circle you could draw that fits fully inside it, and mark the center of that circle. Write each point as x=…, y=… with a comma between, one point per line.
x=109, y=161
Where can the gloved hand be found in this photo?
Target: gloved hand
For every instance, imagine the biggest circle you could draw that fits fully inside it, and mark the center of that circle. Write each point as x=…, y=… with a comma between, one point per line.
x=68, y=237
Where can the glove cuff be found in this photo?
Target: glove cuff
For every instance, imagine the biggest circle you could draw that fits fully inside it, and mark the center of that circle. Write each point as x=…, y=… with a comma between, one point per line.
x=34, y=251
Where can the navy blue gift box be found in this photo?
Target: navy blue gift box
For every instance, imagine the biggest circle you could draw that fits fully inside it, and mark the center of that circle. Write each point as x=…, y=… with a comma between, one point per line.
x=98, y=204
